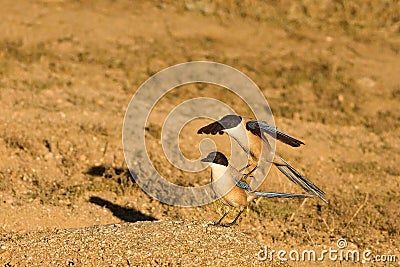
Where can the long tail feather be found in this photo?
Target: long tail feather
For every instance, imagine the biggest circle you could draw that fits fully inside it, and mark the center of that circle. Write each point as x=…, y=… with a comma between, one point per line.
x=299, y=179
x=280, y=195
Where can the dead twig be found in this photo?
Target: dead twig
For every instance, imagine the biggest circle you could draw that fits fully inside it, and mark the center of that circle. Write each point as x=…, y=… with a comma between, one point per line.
x=309, y=236
x=105, y=148
x=358, y=210
x=294, y=213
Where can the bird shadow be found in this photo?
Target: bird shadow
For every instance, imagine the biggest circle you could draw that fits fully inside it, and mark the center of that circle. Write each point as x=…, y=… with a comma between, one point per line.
x=122, y=176
x=125, y=214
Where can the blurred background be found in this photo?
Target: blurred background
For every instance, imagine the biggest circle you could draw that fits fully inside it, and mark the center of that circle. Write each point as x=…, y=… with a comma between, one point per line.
x=329, y=70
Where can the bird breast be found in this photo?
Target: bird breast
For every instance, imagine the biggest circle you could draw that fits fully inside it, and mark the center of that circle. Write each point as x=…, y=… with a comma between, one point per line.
x=239, y=133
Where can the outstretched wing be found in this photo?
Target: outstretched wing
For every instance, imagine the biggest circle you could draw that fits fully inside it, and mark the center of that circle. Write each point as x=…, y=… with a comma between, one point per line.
x=212, y=128
x=226, y=122
x=259, y=127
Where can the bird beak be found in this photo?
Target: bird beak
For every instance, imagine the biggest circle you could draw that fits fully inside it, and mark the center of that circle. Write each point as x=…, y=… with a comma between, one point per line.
x=207, y=159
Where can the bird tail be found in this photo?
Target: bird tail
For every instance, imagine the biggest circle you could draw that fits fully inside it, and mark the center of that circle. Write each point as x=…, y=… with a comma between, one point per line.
x=280, y=195
x=299, y=179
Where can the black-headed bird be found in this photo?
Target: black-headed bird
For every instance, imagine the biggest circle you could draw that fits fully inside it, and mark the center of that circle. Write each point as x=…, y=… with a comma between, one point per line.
x=231, y=190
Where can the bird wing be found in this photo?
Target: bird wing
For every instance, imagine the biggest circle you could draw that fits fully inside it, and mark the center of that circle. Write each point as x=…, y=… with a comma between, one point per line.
x=212, y=128
x=244, y=185
x=259, y=128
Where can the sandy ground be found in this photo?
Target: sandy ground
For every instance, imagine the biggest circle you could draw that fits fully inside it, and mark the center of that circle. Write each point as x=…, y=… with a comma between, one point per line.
x=160, y=243
x=68, y=70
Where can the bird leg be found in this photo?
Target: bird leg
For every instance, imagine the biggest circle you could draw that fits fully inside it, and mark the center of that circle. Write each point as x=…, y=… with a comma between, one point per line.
x=245, y=167
x=249, y=173
x=223, y=216
x=234, y=221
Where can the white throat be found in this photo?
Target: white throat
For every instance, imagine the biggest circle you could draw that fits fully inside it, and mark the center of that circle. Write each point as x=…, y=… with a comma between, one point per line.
x=217, y=170
x=239, y=133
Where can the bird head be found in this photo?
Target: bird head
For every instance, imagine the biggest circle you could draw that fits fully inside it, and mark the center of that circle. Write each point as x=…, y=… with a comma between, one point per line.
x=216, y=158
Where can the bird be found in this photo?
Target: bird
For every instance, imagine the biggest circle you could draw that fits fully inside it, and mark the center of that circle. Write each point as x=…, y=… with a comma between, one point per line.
x=232, y=191
x=251, y=134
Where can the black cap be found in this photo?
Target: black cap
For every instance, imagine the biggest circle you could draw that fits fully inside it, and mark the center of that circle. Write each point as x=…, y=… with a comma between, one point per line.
x=216, y=157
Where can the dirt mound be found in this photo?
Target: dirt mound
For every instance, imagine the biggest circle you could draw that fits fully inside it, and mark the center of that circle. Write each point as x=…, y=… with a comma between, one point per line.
x=160, y=243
